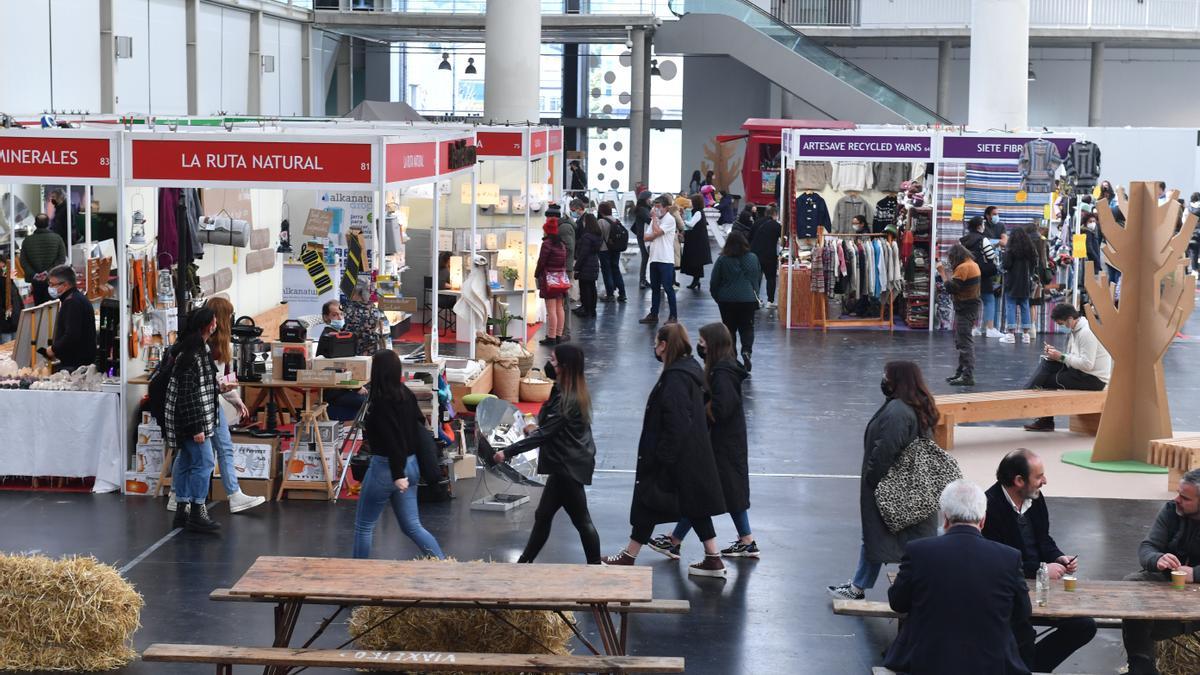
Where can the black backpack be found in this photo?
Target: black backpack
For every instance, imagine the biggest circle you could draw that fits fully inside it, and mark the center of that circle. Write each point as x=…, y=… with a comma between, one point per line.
x=618, y=236
x=157, y=390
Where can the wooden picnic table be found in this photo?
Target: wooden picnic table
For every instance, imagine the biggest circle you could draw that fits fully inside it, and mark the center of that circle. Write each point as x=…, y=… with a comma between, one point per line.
x=1119, y=600
x=431, y=583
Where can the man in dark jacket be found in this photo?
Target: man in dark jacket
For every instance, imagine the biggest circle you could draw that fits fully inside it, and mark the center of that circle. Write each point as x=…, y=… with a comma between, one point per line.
x=1017, y=516
x=1173, y=545
x=62, y=213
x=40, y=252
x=764, y=244
x=75, y=329
x=961, y=617
x=985, y=256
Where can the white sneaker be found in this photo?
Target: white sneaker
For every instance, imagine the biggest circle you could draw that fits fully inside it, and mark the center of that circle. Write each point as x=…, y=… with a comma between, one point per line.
x=1026, y=338
x=171, y=500
x=976, y=332
x=240, y=501
x=1008, y=339
x=993, y=333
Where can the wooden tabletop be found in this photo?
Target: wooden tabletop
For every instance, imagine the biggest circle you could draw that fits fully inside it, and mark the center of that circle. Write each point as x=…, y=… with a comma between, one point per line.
x=412, y=580
x=1120, y=600
x=271, y=383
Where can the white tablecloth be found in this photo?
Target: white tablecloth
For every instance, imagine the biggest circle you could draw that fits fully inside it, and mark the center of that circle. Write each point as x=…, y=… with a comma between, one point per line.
x=62, y=433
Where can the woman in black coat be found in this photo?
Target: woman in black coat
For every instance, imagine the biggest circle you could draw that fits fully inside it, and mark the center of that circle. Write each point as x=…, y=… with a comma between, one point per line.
x=568, y=454
x=1020, y=264
x=676, y=472
x=641, y=219
x=908, y=411
x=727, y=431
x=587, y=264
x=696, y=251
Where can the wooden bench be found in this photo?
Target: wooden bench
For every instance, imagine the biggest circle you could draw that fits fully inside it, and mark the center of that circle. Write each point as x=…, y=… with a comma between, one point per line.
x=880, y=670
x=1180, y=455
x=226, y=657
x=1084, y=407
x=881, y=610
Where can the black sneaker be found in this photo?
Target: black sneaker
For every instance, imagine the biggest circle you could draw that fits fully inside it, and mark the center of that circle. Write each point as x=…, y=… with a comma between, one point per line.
x=746, y=360
x=198, y=520
x=621, y=299
x=662, y=544
x=711, y=566
x=181, y=516
x=548, y=341
x=963, y=381
x=1041, y=424
x=740, y=550
x=846, y=591
x=957, y=374
x=608, y=298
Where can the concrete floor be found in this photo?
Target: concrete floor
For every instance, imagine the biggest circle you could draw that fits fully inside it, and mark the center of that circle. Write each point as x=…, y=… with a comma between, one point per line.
x=807, y=404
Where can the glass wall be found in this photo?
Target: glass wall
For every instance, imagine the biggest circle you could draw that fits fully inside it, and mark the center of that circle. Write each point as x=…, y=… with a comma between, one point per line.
x=433, y=91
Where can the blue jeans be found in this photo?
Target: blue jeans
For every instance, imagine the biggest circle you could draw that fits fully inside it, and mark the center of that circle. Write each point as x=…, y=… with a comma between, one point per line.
x=192, y=470
x=989, y=311
x=378, y=491
x=867, y=572
x=223, y=443
x=610, y=270
x=662, y=276
x=741, y=521
x=1025, y=319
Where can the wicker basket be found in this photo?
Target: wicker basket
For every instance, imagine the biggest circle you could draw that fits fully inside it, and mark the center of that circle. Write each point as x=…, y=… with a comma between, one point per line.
x=525, y=363
x=535, y=387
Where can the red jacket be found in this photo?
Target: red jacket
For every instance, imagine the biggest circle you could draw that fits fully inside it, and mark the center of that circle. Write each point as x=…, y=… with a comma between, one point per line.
x=552, y=258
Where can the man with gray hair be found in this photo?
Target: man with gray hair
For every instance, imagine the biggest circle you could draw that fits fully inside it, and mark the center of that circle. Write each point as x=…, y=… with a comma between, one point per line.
x=74, y=342
x=962, y=618
x=1173, y=546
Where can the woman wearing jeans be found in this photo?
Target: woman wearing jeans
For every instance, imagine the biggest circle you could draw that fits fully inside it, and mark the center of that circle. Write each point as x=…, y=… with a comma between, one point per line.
x=727, y=431
x=734, y=285
x=190, y=419
x=392, y=428
x=1020, y=264
x=908, y=411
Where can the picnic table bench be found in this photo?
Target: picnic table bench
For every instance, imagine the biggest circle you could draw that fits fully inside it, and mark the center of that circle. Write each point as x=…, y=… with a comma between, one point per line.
x=1084, y=407
x=1180, y=455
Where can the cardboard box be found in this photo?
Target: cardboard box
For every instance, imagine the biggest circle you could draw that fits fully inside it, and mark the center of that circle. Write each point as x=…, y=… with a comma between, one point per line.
x=359, y=366
x=463, y=467
x=309, y=466
x=394, y=303
x=148, y=459
x=141, y=484
x=252, y=487
x=482, y=384
x=328, y=376
x=149, y=434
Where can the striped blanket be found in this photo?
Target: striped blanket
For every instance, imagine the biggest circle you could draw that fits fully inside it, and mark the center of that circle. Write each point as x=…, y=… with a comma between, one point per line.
x=997, y=185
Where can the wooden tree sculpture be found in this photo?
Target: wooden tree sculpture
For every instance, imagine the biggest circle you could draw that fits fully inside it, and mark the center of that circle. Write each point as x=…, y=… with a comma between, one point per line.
x=722, y=159
x=1157, y=296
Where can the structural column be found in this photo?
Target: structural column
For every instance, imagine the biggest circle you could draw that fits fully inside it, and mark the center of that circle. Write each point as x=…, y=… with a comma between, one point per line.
x=1095, y=82
x=639, y=109
x=345, y=74
x=108, y=58
x=306, y=74
x=999, y=91
x=945, y=56
x=191, y=20
x=512, y=80
x=254, y=82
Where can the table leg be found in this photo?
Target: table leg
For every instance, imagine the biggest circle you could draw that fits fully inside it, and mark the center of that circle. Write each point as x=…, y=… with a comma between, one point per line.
x=623, y=643
x=286, y=615
x=608, y=632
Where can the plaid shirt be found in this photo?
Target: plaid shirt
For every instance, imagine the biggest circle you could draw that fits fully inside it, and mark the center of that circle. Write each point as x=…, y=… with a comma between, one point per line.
x=191, y=406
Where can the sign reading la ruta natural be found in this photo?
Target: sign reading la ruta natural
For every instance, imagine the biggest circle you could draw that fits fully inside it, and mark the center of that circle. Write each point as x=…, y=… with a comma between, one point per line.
x=251, y=161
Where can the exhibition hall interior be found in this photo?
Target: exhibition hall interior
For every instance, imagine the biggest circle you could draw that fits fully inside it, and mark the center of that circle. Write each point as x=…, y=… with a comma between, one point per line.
x=600, y=336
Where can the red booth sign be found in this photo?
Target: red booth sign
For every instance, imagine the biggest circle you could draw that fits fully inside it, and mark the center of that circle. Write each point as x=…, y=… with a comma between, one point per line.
x=500, y=143
x=251, y=161
x=556, y=138
x=65, y=157
x=537, y=143
x=408, y=161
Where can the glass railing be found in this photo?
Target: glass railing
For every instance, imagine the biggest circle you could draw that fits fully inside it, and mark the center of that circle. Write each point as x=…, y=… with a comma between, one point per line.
x=609, y=7
x=815, y=53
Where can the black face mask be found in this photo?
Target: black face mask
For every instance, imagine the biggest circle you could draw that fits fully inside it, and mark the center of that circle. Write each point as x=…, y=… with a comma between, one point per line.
x=887, y=388
x=702, y=352
x=657, y=357
x=549, y=371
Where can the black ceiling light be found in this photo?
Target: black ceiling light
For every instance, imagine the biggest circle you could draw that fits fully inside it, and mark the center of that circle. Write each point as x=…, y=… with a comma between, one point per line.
x=654, y=71
x=445, y=64
x=470, y=69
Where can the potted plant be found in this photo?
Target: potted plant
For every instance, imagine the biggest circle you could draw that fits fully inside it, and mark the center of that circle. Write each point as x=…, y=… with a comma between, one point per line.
x=509, y=274
x=499, y=324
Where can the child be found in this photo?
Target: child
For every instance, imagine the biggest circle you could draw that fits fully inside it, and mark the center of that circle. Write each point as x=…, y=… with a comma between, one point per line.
x=963, y=285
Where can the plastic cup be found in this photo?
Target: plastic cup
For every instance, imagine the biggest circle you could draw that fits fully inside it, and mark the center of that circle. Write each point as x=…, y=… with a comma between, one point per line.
x=1068, y=583
x=1178, y=578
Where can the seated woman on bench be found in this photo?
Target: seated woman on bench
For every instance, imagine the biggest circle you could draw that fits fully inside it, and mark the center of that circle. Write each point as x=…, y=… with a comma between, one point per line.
x=1086, y=365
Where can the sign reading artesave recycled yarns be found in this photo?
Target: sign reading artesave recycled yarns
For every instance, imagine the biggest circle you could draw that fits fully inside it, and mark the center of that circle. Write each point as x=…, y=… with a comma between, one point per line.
x=858, y=146
x=994, y=148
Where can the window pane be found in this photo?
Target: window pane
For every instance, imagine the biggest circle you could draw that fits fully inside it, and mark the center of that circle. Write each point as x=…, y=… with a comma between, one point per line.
x=666, y=160
x=432, y=91
x=607, y=159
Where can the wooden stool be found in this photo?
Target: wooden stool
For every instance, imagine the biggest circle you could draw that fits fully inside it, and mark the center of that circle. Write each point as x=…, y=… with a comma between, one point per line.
x=1180, y=455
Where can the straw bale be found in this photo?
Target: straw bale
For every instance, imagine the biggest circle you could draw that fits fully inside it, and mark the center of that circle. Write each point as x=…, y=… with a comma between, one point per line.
x=1180, y=655
x=74, y=614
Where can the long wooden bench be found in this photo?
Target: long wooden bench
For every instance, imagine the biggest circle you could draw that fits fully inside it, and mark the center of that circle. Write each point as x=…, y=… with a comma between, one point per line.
x=880, y=670
x=881, y=610
x=226, y=657
x=1084, y=407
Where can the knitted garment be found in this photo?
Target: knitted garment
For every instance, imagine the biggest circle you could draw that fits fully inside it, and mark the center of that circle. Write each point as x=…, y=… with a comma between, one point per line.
x=1038, y=162
x=1083, y=163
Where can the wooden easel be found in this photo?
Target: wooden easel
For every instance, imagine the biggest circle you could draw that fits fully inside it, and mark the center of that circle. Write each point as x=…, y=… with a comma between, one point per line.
x=822, y=319
x=35, y=329
x=308, y=421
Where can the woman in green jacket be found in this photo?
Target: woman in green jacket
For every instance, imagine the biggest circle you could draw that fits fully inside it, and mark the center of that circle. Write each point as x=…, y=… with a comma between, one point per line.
x=734, y=285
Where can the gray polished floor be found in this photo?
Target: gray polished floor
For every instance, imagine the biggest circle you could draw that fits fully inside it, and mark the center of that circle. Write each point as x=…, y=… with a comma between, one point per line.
x=808, y=401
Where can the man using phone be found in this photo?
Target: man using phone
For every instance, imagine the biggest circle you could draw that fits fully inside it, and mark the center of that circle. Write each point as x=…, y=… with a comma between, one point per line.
x=1085, y=365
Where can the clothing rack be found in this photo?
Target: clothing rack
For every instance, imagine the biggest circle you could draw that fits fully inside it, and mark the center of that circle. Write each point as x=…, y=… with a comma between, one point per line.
x=886, y=313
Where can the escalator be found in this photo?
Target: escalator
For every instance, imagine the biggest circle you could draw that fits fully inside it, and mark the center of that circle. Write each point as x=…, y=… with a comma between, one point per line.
x=822, y=79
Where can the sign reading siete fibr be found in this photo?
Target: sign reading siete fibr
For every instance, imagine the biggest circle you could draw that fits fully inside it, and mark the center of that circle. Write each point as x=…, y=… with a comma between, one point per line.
x=66, y=157
x=999, y=148
x=251, y=161
x=862, y=147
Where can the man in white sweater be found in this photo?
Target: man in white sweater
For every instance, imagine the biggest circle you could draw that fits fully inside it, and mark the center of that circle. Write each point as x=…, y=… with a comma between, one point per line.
x=1086, y=365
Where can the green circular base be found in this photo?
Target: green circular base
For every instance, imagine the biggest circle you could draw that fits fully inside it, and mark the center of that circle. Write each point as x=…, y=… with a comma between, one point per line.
x=1083, y=458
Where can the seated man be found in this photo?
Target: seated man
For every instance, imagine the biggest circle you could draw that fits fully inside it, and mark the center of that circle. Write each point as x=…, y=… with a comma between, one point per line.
x=1017, y=517
x=961, y=617
x=1172, y=545
x=1086, y=365
x=343, y=403
x=75, y=328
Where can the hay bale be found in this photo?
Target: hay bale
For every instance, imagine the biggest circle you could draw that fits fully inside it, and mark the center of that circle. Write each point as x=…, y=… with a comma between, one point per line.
x=461, y=630
x=73, y=614
x=1180, y=655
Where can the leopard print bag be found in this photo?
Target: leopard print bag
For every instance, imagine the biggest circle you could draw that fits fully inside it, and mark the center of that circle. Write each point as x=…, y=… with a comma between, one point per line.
x=910, y=491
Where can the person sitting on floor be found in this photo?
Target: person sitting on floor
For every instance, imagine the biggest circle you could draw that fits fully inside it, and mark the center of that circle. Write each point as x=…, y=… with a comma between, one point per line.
x=1173, y=545
x=961, y=617
x=1017, y=516
x=1086, y=364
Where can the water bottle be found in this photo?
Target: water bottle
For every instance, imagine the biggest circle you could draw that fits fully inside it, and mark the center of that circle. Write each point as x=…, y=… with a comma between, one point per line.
x=1043, y=585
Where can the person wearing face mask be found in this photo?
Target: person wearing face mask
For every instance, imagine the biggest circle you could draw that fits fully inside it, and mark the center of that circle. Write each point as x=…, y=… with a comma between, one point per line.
x=677, y=473
x=908, y=411
x=568, y=454
x=75, y=328
x=191, y=420
x=727, y=432
x=661, y=241
x=696, y=250
x=41, y=252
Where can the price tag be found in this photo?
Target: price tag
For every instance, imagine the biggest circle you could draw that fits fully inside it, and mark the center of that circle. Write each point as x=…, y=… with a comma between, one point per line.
x=1048, y=211
x=958, y=206
x=1096, y=192
x=1079, y=245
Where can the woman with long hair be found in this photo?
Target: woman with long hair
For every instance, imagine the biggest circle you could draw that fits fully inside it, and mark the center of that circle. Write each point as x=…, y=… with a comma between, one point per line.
x=393, y=428
x=734, y=286
x=552, y=259
x=676, y=472
x=190, y=419
x=587, y=264
x=696, y=183
x=696, y=252
x=727, y=431
x=985, y=256
x=568, y=454
x=1020, y=264
x=641, y=219
x=908, y=412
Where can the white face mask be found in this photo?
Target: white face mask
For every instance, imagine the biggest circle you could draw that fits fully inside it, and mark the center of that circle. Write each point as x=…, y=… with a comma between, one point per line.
x=338, y=324
x=995, y=219
x=53, y=292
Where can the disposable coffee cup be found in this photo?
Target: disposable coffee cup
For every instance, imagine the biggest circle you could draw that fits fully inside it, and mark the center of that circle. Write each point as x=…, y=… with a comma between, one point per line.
x=1068, y=582
x=1178, y=578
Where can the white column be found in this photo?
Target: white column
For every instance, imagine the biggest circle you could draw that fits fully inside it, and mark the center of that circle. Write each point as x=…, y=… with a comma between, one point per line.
x=191, y=21
x=639, y=109
x=999, y=92
x=108, y=58
x=1095, y=85
x=945, y=56
x=513, y=34
x=254, y=81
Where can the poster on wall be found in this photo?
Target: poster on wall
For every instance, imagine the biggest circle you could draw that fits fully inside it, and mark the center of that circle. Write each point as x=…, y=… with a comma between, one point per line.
x=301, y=294
x=350, y=210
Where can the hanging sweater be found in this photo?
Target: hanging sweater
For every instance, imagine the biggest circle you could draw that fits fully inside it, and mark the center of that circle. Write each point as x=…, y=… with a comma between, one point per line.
x=813, y=175
x=1038, y=162
x=843, y=214
x=889, y=175
x=1083, y=163
x=855, y=176
x=885, y=214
